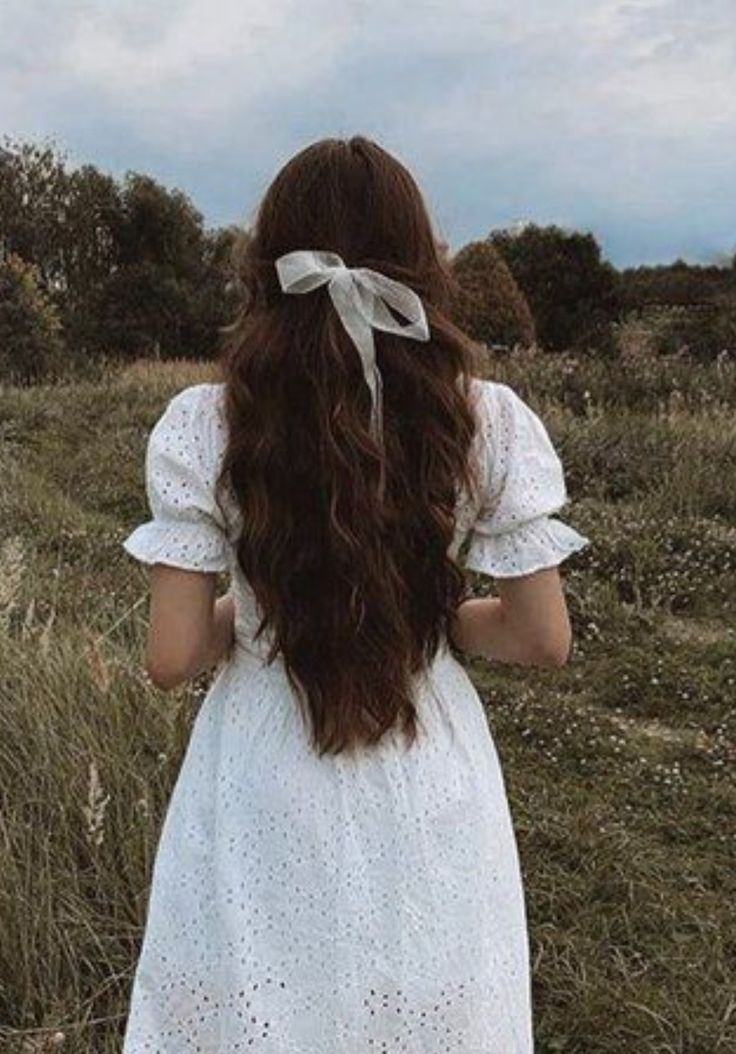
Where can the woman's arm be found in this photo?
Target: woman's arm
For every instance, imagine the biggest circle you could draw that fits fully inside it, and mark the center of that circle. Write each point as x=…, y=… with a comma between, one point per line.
x=223, y=632
x=190, y=629
x=483, y=627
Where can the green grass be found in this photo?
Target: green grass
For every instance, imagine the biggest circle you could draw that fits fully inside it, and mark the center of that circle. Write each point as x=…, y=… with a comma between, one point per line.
x=619, y=766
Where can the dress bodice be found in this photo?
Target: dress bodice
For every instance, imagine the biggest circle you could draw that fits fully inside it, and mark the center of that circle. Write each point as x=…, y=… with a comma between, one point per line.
x=508, y=521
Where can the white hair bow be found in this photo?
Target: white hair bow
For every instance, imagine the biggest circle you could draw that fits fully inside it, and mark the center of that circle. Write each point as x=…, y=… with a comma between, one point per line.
x=358, y=294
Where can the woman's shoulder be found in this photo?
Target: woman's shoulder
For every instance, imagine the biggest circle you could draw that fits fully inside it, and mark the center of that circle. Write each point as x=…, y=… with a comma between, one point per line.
x=204, y=397
x=501, y=403
x=199, y=407
x=512, y=432
x=499, y=409
x=192, y=424
x=490, y=392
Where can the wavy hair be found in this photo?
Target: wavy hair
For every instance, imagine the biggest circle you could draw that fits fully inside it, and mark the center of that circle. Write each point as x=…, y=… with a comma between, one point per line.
x=357, y=594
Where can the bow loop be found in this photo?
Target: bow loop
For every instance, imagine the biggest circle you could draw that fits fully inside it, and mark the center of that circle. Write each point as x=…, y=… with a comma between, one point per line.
x=362, y=298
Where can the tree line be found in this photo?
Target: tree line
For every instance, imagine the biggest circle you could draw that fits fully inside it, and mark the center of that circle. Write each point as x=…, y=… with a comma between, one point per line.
x=93, y=266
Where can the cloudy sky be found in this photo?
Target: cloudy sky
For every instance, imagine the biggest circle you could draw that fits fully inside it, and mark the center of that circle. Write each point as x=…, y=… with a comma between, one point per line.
x=615, y=116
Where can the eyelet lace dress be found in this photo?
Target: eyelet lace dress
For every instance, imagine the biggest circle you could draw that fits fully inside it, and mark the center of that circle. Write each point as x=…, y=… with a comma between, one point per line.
x=335, y=905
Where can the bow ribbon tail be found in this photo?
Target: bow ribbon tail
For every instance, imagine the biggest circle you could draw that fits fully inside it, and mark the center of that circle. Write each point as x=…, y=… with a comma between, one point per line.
x=377, y=426
x=348, y=305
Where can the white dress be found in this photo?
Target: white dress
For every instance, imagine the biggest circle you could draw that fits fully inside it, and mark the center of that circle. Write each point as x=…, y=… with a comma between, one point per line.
x=306, y=905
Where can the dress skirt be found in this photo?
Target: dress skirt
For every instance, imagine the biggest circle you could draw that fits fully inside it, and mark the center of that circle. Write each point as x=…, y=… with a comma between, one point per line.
x=334, y=905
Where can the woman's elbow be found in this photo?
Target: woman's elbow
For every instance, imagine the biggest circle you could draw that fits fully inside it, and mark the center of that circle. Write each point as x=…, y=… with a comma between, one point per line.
x=166, y=675
x=170, y=664
x=554, y=654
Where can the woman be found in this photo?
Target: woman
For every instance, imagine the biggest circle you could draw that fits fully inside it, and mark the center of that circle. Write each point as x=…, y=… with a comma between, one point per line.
x=337, y=870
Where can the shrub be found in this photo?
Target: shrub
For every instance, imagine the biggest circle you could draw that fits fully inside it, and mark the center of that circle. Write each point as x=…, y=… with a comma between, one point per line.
x=702, y=332
x=489, y=304
x=31, y=347
x=571, y=290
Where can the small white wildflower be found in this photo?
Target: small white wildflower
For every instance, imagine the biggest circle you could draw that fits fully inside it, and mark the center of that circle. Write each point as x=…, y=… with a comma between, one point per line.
x=94, y=810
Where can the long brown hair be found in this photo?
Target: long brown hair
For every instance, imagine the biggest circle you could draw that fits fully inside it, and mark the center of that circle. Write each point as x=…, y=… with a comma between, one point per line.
x=357, y=593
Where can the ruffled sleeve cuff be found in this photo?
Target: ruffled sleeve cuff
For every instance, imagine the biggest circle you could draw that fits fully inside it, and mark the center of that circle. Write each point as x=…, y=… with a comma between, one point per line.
x=539, y=543
x=191, y=546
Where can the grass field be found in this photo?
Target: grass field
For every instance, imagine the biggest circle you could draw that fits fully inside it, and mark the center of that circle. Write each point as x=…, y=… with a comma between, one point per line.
x=619, y=766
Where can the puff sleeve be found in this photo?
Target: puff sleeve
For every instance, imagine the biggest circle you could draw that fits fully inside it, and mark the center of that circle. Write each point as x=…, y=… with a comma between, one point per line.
x=186, y=529
x=523, y=483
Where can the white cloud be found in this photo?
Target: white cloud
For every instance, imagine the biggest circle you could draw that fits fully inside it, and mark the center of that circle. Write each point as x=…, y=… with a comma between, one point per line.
x=588, y=104
x=660, y=64
x=218, y=49
x=198, y=63
x=584, y=69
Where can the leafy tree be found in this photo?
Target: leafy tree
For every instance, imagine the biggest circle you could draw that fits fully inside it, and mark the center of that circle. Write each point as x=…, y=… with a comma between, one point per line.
x=489, y=304
x=127, y=264
x=571, y=290
x=62, y=222
x=165, y=295
x=216, y=298
x=89, y=253
x=31, y=347
x=32, y=220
